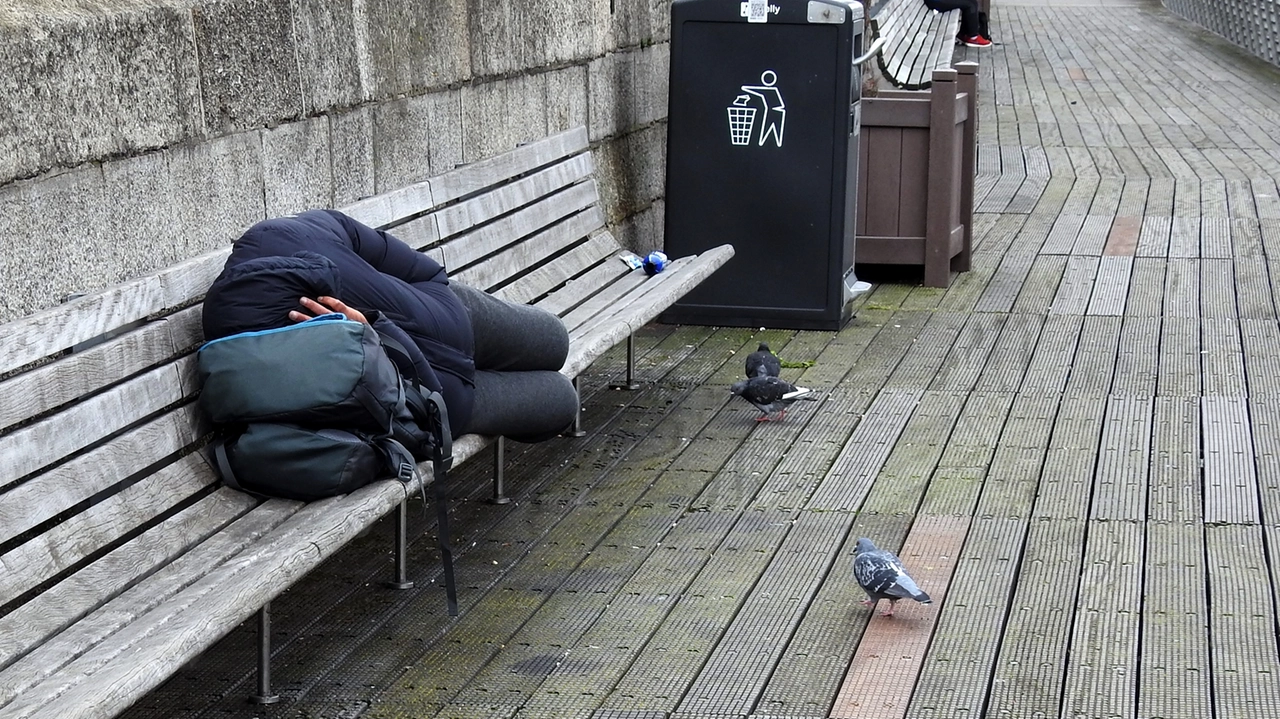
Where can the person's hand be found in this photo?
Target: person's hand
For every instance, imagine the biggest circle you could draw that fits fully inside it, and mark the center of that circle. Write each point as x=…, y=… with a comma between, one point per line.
x=325, y=305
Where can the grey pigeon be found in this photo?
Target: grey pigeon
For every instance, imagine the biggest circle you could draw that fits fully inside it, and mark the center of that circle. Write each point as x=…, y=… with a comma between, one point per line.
x=770, y=395
x=881, y=575
x=763, y=363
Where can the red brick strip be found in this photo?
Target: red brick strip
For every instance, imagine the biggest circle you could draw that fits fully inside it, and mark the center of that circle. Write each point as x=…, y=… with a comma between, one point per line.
x=884, y=669
x=1123, y=239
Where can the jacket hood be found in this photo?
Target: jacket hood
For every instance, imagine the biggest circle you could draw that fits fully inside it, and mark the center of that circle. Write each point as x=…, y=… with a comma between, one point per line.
x=258, y=294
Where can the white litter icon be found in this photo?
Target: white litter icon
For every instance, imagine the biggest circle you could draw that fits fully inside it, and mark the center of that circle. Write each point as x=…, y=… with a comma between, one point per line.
x=747, y=106
x=742, y=118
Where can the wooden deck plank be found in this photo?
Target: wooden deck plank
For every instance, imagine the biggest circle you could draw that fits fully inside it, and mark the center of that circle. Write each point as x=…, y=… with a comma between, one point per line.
x=1175, y=671
x=956, y=671
x=1102, y=676
x=1246, y=671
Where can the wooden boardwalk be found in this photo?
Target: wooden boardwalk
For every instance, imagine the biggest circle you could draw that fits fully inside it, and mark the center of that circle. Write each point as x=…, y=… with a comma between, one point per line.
x=1076, y=447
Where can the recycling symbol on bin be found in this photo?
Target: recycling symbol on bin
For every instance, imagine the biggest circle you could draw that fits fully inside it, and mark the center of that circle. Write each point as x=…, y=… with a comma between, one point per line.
x=759, y=113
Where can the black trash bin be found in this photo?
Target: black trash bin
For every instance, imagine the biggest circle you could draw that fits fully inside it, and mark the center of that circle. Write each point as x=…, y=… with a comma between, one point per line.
x=762, y=152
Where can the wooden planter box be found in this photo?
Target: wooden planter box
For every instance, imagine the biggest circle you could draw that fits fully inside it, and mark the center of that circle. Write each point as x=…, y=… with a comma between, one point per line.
x=915, y=176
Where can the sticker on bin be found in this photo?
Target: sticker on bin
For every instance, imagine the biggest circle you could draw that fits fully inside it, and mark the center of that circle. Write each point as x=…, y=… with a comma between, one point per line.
x=758, y=10
x=758, y=113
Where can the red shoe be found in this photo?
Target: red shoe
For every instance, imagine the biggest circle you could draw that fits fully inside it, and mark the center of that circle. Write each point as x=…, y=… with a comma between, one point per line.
x=975, y=41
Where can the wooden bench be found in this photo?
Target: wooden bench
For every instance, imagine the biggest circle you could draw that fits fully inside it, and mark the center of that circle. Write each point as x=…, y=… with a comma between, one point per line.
x=914, y=41
x=121, y=555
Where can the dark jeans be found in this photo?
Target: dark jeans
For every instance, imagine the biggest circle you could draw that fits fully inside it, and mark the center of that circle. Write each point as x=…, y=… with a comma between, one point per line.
x=968, y=13
x=518, y=349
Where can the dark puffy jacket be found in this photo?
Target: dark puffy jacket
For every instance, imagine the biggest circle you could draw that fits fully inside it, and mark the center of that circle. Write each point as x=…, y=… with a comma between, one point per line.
x=324, y=252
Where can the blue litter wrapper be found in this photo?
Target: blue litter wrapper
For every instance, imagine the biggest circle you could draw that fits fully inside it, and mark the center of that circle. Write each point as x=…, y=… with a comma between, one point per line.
x=655, y=263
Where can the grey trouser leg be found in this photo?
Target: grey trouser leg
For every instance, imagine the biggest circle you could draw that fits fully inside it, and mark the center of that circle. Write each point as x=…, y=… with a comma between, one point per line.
x=519, y=394
x=512, y=336
x=525, y=406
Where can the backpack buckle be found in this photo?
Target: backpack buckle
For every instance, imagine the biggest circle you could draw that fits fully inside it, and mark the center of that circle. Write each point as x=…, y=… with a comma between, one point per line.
x=404, y=471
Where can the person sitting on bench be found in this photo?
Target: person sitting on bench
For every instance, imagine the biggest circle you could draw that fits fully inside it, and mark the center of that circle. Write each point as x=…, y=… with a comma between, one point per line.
x=972, y=33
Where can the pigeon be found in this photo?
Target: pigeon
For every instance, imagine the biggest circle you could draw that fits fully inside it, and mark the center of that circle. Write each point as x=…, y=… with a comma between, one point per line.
x=880, y=574
x=763, y=363
x=770, y=395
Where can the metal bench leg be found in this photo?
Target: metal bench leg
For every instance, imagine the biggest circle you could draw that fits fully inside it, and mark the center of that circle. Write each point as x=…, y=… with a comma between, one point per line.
x=401, y=579
x=499, y=479
x=576, y=429
x=264, y=694
x=631, y=383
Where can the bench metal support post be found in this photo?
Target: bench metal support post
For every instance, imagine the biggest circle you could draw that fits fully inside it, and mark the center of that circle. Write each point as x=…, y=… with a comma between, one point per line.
x=576, y=429
x=401, y=578
x=942, y=173
x=968, y=84
x=499, y=478
x=264, y=694
x=630, y=383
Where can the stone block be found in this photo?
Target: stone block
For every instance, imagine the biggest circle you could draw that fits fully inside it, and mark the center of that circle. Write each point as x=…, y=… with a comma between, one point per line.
x=631, y=23
x=497, y=116
x=631, y=169
x=652, y=76
x=297, y=167
x=79, y=87
x=493, y=36
x=144, y=228
x=555, y=31
x=642, y=231
x=62, y=223
x=332, y=49
x=611, y=93
x=248, y=62
x=217, y=191
x=351, y=140
x=567, y=98
x=660, y=20
x=415, y=45
x=402, y=142
x=444, y=116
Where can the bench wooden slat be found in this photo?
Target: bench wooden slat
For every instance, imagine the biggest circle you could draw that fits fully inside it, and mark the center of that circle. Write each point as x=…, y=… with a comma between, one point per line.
x=116, y=575
x=659, y=296
x=48, y=332
x=393, y=206
x=459, y=218
x=51, y=493
x=481, y=174
x=600, y=247
x=602, y=300
x=47, y=441
x=576, y=291
x=541, y=247
x=63, y=546
x=98, y=683
x=422, y=235
x=909, y=41
x=34, y=393
x=620, y=296
x=510, y=230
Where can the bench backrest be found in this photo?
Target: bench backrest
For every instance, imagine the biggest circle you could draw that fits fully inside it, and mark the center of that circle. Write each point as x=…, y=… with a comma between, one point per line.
x=99, y=433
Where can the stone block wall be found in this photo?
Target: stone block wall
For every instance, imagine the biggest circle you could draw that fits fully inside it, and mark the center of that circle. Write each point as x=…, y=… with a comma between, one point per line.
x=135, y=133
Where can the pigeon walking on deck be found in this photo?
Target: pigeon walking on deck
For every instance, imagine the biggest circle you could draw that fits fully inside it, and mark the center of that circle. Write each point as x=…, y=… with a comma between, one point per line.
x=770, y=395
x=763, y=363
x=881, y=575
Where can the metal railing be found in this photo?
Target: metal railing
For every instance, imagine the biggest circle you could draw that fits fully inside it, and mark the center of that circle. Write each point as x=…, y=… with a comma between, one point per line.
x=1252, y=24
